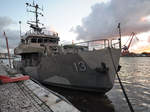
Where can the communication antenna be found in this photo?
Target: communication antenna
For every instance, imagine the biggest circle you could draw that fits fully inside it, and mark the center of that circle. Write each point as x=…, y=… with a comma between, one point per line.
x=35, y=24
x=20, y=28
x=119, y=35
x=42, y=8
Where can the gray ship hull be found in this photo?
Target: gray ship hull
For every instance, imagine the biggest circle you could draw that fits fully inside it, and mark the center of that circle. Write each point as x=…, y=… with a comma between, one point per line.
x=82, y=71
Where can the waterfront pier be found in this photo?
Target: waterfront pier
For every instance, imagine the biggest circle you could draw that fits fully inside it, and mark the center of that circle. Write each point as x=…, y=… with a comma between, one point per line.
x=29, y=96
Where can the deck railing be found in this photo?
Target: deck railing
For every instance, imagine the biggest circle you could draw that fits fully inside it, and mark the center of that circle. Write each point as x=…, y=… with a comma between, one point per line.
x=100, y=44
x=44, y=32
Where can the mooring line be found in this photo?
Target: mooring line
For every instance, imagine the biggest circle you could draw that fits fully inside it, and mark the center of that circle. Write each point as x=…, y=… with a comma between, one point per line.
x=122, y=87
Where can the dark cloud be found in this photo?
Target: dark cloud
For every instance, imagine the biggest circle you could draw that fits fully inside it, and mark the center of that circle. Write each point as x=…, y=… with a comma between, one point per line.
x=104, y=18
x=12, y=35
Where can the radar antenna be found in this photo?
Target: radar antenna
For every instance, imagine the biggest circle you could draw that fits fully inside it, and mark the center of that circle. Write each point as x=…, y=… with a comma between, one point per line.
x=35, y=24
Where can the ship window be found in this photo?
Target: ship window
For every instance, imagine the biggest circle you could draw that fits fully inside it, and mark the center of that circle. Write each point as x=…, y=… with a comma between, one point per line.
x=31, y=59
x=39, y=40
x=22, y=41
x=45, y=40
x=52, y=41
x=33, y=40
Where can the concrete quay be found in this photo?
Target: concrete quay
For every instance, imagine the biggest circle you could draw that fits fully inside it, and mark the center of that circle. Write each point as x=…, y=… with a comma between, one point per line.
x=29, y=96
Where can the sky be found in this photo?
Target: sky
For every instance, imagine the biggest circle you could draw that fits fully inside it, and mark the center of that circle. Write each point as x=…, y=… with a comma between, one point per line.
x=79, y=20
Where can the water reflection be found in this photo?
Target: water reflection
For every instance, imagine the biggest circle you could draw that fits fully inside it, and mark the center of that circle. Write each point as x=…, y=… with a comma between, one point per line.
x=135, y=75
x=86, y=101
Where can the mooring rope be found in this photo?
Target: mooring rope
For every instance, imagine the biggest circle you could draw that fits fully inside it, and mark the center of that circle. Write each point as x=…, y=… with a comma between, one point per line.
x=120, y=82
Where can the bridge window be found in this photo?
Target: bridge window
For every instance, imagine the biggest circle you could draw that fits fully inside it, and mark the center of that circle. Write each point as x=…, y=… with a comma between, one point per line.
x=45, y=40
x=39, y=40
x=33, y=40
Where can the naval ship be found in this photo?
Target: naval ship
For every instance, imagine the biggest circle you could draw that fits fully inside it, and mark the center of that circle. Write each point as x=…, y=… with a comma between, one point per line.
x=86, y=66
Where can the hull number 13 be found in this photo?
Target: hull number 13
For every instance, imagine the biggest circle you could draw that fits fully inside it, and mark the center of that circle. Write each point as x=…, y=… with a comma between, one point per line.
x=80, y=66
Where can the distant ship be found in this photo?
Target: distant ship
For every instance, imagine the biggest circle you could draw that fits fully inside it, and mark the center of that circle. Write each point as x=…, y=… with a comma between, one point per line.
x=86, y=66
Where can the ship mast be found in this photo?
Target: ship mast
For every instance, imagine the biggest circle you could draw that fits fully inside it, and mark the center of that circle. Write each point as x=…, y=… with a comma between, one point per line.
x=35, y=24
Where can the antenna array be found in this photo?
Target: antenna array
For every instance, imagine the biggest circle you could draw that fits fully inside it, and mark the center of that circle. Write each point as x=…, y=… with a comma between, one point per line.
x=35, y=24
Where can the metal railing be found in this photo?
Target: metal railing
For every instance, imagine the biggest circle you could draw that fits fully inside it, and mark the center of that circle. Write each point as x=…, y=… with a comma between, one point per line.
x=99, y=44
x=44, y=32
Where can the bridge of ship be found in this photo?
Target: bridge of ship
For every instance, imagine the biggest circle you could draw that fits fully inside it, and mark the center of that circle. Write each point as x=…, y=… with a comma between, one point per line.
x=45, y=37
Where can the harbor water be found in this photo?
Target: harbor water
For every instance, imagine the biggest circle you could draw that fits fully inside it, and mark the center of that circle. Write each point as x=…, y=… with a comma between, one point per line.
x=135, y=75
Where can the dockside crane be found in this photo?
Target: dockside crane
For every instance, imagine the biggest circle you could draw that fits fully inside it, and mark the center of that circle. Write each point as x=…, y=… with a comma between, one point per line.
x=125, y=49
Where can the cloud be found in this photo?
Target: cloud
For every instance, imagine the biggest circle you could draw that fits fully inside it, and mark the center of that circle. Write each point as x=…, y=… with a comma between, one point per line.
x=148, y=39
x=5, y=22
x=13, y=35
x=104, y=18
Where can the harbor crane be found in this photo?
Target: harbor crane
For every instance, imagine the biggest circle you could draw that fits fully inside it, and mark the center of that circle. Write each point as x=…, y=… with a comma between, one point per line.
x=125, y=49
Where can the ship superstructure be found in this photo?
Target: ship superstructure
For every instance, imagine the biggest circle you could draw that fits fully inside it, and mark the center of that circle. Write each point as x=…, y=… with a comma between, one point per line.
x=37, y=41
